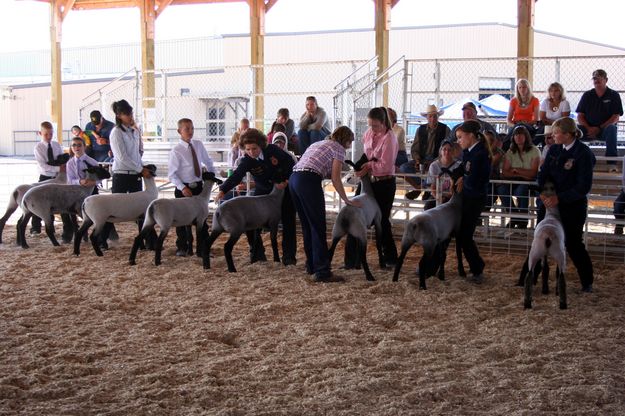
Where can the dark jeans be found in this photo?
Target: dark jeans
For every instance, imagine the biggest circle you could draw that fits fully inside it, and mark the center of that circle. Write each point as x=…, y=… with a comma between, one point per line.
x=522, y=194
x=184, y=235
x=307, y=137
x=619, y=207
x=289, y=239
x=307, y=193
x=68, y=228
x=607, y=135
x=471, y=211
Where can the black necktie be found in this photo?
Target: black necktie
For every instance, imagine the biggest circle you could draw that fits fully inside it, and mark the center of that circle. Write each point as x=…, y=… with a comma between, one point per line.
x=196, y=164
x=50, y=153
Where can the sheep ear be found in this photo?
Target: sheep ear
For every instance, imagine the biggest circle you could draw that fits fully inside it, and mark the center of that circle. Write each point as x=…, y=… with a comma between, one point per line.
x=350, y=163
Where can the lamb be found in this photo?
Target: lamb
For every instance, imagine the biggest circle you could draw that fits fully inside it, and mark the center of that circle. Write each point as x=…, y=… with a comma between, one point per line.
x=18, y=194
x=433, y=230
x=179, y=212
x=355, y=221
x=114, y=208
x=549, y=240
x=46, y=200
x=233, y=216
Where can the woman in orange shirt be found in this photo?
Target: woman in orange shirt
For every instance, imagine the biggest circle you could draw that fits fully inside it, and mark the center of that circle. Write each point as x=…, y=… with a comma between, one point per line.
x=524, y=109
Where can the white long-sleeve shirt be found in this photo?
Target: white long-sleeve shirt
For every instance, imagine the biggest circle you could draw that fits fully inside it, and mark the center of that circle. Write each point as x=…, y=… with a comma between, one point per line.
x=180, y=167
x=41, y=156
x=127, y=149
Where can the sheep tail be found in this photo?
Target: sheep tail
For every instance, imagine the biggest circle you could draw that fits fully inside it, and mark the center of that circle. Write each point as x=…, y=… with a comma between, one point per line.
x=547, y=242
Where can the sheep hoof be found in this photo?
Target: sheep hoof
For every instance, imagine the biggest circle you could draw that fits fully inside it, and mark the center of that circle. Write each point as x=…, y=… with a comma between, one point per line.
x=233, y=270
x=527, y=305
x=563, y=306
x=370, y=279
x=132, y=263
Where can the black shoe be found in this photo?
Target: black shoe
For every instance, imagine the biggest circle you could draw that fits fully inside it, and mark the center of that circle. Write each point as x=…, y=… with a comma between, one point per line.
x=104, y=246
x=181, y=253
x=477, y=279
x=66, y=239
x=328, y=278
x=587, y=289
x=34, y=231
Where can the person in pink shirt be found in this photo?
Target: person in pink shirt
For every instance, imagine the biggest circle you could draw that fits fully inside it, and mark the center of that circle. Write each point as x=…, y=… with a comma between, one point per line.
x=380, y=143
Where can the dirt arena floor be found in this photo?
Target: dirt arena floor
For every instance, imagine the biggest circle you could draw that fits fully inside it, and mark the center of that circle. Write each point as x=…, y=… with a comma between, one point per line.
x=87, y=335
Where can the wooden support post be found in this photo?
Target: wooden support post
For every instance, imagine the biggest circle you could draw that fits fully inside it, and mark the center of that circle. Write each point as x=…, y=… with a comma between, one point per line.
x=525, y=39
x=257, y=37
x=382, y=28
x=148, y=17
x=56, y=97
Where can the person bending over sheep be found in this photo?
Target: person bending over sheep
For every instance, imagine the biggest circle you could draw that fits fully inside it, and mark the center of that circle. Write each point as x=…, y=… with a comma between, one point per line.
x=265, y=162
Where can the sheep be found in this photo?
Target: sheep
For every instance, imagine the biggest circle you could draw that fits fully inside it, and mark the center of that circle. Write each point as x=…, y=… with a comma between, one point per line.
x=245, y=213
x=49, y=199
x=549, y=240
x=178, y=212
x=355, y=221
x=16, y=196
x=433, y=230
x=114, y=208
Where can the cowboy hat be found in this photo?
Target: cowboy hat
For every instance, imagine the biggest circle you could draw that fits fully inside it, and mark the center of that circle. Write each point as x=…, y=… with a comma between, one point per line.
x=432, y=109
x=548, y=131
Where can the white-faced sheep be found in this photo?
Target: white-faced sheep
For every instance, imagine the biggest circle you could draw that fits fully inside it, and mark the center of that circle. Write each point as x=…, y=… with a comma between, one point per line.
x=549, y=240
x=167, y=213
x=245, y=213
x=355, y=221
x=46, y=200
x=15, y=199
x=433, y=229
x=97, y=210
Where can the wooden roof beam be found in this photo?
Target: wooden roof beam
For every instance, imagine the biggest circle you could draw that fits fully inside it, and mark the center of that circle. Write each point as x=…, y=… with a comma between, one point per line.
x=66, y=6
x=161, y=6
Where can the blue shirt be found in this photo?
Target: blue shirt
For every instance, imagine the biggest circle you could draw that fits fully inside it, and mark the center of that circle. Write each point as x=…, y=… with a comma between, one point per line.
x=569, y=170
x=100, y=151
x=476, y=164
x=598, y=110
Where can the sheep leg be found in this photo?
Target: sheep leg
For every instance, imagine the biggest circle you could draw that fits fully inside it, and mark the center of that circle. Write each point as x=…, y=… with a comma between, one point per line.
x=135, y=247
x=400, y=262
x=201, y=234
x=442, y=257
x=273, y=236
x=545, y=276
x=561, y=287
x=80, y=233
x=461, y=271
x=335, y=241
x=4, y=219
x=50, y=231
x=95, y=243
x=158, y=250
x=21, y=229
x=527, y=304
x=422, y=271
x=524, y=271
x=362, y=246
x=228, y=251
x=206, y=248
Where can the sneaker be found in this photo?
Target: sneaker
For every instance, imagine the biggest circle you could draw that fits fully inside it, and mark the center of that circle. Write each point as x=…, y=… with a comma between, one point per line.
x=34, y=231
x=181, y=253
x=412, y=195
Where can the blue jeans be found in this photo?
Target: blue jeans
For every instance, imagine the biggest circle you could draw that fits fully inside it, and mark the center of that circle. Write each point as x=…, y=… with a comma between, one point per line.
x=607, y=135
x=619, y=206
x=307, y=137
x=402, y=157
x=307, y=194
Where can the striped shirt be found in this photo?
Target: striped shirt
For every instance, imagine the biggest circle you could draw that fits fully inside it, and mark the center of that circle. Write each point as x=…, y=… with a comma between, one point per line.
x=319, y=157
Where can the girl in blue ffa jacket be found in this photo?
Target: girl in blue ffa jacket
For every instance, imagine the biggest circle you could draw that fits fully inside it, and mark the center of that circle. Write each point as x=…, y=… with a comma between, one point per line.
x=474, y=188
x=268, y=164
x=569, y=165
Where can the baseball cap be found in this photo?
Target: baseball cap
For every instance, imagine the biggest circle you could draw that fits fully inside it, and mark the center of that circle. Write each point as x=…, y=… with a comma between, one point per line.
x=468, y=105
x=95, y=117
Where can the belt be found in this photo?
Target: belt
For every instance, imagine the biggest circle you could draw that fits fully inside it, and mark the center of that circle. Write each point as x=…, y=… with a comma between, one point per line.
x=307, y=170
x=125, y=172
x=193, y=185
x=381, y=178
